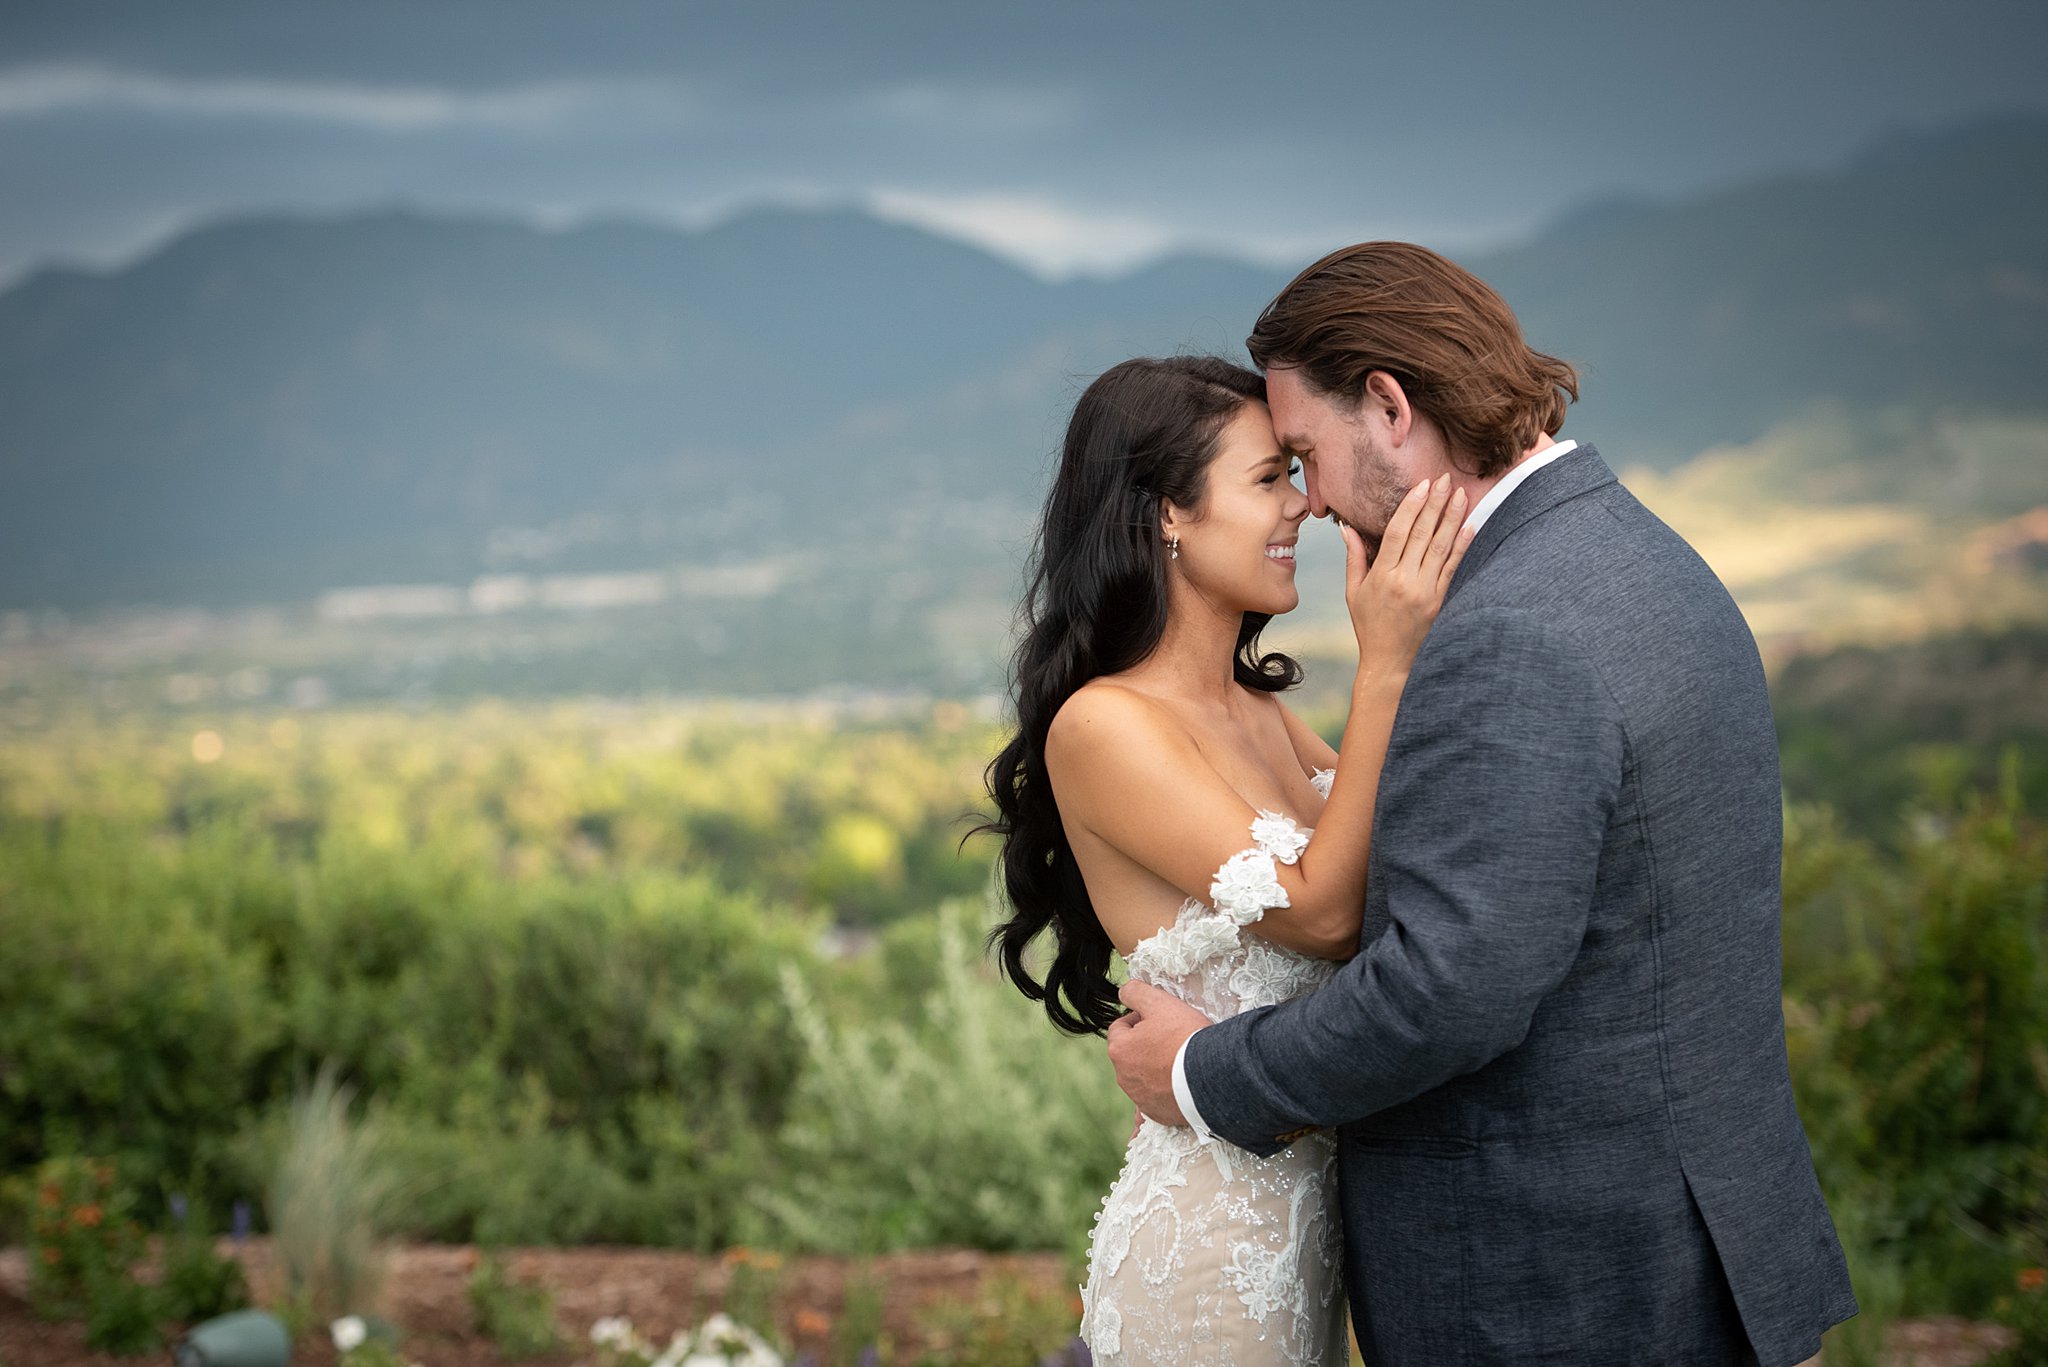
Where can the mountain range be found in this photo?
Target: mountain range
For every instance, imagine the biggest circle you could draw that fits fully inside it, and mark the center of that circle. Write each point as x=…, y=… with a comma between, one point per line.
x=269, y=407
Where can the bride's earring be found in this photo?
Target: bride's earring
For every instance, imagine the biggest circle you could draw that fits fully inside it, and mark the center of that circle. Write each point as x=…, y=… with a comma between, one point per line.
x=1173, y=546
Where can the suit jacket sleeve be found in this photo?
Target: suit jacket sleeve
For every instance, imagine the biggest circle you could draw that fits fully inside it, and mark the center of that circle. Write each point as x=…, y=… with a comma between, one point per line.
x=1503, y=772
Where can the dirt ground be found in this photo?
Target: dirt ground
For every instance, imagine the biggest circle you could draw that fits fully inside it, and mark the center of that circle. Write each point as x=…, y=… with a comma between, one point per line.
x=661, y=1291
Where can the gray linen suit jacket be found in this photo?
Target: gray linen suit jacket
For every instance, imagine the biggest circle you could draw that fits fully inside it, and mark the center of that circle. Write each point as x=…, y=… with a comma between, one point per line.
x=1566, y=1126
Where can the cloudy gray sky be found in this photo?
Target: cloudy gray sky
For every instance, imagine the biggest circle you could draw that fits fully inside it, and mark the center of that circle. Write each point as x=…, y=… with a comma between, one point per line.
x=1070, y=136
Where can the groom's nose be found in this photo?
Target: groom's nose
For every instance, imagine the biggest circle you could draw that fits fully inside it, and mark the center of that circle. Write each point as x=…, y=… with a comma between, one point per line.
x=1309, y=487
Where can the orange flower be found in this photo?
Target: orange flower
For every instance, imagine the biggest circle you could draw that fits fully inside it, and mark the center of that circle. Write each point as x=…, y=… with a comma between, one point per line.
x=812, y=1323
x=50, y=1197
x=739, y=1255
x=87, y=1215
x=51, y=1255
x=2033, y=1278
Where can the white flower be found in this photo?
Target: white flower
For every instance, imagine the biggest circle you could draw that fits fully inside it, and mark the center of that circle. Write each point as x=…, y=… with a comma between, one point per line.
x=721, y=1342
x=1246, y=885
x=349, y=1332
x=613, y=1331
x=1278, y=836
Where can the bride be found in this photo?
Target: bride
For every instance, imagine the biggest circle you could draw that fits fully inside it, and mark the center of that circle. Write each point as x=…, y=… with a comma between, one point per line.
x=1156, y=803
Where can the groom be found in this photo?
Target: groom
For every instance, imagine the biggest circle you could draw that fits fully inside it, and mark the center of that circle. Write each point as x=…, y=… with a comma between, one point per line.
x=1557, y=1064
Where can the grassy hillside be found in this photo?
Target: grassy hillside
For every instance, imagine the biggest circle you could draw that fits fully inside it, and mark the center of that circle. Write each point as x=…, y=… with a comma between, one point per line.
x=1887, y=527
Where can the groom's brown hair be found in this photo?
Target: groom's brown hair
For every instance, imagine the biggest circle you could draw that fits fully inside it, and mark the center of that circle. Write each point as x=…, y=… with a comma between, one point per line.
x=1433, y=325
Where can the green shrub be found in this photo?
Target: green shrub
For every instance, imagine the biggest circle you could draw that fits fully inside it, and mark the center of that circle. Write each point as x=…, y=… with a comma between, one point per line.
x=83, y=1238
x=122, y=1315
x=1008, y=1323
x=115, y=1041
x=973, y=1123
x=1917, y=1044
x=520, y=1320
x=199, y=1283
x=860, y=1327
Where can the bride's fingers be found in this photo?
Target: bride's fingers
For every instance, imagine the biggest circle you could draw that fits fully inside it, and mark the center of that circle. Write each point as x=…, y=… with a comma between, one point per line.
x=1446, y=534
x=1357, y=560
x=1415, y=555
x=1394, y=543
x=1451, y=562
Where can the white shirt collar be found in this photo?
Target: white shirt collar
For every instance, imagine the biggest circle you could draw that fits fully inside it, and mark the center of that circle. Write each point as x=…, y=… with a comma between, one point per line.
x=1512, y=481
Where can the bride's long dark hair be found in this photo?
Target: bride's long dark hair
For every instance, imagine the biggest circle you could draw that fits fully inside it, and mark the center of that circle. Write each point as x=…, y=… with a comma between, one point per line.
x=1146, y=430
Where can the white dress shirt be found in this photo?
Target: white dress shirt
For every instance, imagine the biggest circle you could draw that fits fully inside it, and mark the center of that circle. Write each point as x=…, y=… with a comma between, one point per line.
x=1183, y=1095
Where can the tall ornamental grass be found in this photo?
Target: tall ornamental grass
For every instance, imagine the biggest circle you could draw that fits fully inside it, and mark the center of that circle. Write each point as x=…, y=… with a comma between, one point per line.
x=332, y=1202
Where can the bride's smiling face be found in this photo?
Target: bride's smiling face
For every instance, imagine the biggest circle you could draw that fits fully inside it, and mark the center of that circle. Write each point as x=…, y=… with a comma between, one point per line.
x=1237, y=547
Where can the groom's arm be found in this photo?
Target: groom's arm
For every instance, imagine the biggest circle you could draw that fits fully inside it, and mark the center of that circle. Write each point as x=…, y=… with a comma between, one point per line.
x=1501, y=777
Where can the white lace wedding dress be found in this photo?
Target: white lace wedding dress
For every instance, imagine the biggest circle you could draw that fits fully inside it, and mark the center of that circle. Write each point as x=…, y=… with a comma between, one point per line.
x=1205, y=1253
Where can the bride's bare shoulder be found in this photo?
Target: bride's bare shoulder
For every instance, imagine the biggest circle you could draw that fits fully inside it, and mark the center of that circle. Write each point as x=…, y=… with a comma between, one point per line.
x=1106, y=717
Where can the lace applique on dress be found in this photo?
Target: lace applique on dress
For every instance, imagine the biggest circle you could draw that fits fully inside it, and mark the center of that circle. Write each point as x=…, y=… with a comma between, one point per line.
x=1206, y=1252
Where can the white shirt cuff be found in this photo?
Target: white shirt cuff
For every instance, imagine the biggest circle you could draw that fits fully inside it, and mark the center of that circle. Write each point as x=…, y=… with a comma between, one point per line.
x=1184, y=1097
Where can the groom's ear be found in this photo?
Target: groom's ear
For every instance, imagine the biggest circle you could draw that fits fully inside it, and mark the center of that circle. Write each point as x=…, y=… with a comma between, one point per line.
x=1385, y=405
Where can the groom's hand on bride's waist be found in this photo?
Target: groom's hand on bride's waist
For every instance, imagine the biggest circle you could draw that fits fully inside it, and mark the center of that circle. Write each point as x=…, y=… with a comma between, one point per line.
x=1142, y=1046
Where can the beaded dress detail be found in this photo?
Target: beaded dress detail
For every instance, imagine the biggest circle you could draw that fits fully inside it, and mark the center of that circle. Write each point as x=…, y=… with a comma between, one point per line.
x=1207, y=1253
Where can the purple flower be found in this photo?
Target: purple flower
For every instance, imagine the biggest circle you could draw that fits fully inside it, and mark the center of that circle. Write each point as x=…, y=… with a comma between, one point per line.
x=870, y=1356
x=178, y=1209
x=241, y=1221
x=1075, y=1354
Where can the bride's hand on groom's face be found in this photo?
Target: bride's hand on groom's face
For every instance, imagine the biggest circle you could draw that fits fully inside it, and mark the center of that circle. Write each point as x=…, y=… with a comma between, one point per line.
x=1142, y=1045
x=1394, y=594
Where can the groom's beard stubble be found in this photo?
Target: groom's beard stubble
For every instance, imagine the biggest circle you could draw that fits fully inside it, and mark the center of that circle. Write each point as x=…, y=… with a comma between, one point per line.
x=1376, y=494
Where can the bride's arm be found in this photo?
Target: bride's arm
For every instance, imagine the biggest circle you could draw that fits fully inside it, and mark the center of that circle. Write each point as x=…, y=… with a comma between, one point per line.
x=1310, y=748
x=1123, y=766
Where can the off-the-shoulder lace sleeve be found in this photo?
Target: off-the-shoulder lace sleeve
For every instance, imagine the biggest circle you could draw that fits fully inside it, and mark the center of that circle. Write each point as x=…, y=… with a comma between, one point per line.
x=1321, y=780
x=1248, y=884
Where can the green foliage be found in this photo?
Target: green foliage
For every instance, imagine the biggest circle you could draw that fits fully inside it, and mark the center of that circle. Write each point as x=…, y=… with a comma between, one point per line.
x=972, y=1122
x=1918, y=1046
x=519, y=1319
x=1880, y=1288
x=2025, y=1312
x=199, y=1283
x=83, y=1250
x=122, y=1315
x=505, y=933
x=83, y=1238
x=118, y=1041
x=753, y=1287
x=1009, y=1323
x=860, y=1326
x=373, y=1352
x=573, y=957
x=1874, y=731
